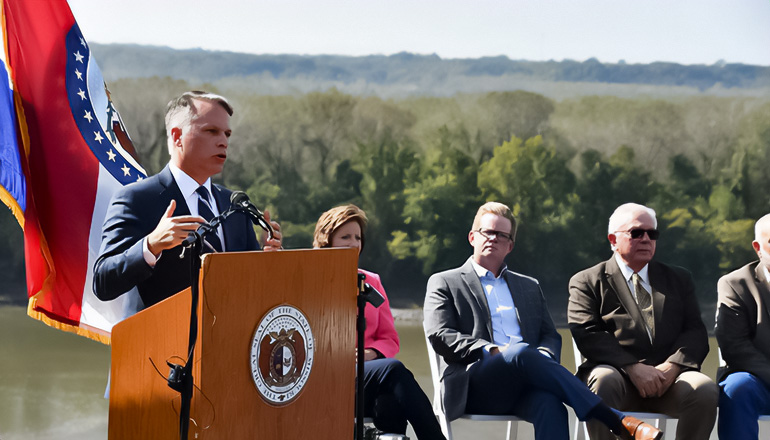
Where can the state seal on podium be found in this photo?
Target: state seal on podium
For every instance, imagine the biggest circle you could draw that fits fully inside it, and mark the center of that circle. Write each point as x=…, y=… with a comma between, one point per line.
x=282, y=354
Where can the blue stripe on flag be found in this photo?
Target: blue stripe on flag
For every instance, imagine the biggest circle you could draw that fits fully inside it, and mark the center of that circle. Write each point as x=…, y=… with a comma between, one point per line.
x=11, y=174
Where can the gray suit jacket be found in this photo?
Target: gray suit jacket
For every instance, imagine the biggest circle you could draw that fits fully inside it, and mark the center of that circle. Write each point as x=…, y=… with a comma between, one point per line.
x=458, y=326
x=743, y=322
x=609, y=329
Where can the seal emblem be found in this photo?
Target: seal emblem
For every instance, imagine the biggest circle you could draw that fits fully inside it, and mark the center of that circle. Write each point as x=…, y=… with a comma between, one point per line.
x=282, y=354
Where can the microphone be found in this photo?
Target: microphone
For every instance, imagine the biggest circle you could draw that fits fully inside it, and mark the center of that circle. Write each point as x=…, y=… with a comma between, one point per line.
x=240, y=201
x=368, y=292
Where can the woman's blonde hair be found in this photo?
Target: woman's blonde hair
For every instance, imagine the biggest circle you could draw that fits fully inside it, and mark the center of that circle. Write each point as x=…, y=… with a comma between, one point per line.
x=333, y=219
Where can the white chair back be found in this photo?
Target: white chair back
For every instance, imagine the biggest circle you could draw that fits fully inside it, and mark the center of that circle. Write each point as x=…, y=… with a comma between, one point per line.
x=581, y=429
x=438, y=407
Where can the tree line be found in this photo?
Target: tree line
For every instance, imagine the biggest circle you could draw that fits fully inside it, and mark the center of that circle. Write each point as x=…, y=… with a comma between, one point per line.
x=136, y=61
x=421, y=166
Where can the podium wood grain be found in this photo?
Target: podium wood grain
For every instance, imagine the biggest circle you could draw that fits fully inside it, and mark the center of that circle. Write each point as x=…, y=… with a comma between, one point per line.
x=238, y=289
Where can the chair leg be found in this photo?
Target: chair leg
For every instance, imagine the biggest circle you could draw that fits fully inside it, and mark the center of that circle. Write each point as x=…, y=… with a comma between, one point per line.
x=576, y=435
x=446, y=426
x=661, y=424
x=513, y=430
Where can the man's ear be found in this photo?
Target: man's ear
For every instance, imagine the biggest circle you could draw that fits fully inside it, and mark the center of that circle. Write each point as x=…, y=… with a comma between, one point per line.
x=755, y=245
x=612, y=239
x=176, y=136
x=470, y=237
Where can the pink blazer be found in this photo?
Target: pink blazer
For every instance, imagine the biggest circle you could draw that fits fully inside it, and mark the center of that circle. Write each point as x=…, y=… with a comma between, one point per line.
x=380, y=331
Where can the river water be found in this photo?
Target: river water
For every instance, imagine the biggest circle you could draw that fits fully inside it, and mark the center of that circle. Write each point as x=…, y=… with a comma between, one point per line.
x=52, y=382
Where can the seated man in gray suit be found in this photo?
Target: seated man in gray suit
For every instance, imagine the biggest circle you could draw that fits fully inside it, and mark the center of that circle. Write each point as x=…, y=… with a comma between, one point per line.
x=499, y=348
x=637, y=323
x=743, y=333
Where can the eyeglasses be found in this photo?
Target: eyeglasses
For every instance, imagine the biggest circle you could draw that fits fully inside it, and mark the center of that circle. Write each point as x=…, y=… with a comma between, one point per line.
x=639, y=233
x=491, y=234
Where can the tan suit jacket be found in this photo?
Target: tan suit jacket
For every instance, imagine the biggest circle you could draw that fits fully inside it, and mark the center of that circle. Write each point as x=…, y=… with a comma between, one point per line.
x=743, y=322
x=609, y=329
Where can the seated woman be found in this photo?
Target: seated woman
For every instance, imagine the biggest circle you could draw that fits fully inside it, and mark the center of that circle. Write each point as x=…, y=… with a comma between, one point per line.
x=391, y=395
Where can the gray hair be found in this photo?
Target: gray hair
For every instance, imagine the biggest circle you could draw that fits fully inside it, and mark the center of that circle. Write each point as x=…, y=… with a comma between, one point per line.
x=763, y=224
x=180, y=111
x=623, y=211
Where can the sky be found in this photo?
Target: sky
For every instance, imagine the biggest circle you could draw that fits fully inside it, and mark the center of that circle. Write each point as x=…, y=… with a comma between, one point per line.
x=635, y=31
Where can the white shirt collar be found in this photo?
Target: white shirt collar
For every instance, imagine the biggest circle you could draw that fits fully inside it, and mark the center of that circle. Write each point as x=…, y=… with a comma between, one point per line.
x=186, y=184
x=481, y=271
x=628, y=272
x=767, y=272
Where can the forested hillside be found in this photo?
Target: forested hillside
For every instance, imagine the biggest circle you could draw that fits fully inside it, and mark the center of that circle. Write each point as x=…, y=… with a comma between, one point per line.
x=421, y=164
x=407, y=74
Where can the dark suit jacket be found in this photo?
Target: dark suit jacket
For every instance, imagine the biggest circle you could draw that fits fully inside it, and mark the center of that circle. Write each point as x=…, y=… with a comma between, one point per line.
x=134, y=212
x=609, y=329
x=743, y=322
x=458, y=326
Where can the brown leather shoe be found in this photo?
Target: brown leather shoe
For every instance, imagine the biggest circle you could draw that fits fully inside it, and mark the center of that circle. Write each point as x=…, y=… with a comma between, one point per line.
x=640, y=430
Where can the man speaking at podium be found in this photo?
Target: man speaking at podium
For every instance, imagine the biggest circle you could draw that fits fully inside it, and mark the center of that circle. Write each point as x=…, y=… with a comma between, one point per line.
x=147, y=221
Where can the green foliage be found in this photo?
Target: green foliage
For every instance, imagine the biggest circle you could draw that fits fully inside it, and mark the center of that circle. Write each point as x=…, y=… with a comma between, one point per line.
x=519, y=113
x=438, y=201
x=528, y=176
x=421, y=166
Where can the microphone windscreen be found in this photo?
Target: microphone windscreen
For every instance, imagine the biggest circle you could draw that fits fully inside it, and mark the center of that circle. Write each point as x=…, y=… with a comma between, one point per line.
x=238, y=197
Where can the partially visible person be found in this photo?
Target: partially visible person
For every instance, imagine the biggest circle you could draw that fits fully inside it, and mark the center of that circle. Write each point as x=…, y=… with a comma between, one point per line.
x=147, y=221
x=638, y=325
x=498, y=344
x=743, y=333
x=391, y=394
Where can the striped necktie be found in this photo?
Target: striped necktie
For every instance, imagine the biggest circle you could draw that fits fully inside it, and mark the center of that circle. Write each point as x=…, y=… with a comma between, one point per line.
x=205, y=211
x=644, y=302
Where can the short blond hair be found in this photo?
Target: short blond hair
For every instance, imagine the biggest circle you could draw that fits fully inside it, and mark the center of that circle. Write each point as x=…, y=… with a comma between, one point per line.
x=333, y=219
x=496, y=208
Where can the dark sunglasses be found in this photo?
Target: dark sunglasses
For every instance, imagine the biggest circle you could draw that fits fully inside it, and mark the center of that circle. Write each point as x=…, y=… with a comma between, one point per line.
x=639, y=233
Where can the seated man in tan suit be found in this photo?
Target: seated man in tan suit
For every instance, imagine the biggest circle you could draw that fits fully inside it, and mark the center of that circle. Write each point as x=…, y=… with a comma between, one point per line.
x=638, y=325
x=743, y=333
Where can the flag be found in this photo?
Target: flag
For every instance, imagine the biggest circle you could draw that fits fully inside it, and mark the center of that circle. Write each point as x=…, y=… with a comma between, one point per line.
x=69, y=152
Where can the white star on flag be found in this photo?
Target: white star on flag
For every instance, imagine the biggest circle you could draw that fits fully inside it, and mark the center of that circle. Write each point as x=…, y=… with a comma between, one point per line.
x=88, y=116
x=79, y=74
x=82, y=94
x=126, y=170
x=78, y=57
x=111, y=155
x=98, y=137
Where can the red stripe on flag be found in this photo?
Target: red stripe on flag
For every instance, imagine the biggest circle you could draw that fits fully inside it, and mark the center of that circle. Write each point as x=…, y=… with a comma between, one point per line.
x=61, y=170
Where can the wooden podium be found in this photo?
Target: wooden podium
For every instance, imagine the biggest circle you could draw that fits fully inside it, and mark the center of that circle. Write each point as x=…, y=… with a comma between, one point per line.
x=237, y=290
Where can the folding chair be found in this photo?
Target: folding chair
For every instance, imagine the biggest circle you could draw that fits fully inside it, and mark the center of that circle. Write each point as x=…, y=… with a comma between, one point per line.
x=763, y=418
x=446, y=424
x=581, y=429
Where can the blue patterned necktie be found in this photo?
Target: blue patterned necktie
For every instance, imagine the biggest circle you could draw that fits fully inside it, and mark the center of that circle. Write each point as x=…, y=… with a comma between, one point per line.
x=204, y=210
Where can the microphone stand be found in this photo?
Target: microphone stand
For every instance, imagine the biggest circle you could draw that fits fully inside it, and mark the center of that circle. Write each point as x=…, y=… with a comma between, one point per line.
x=360, y=328
x=180, y=377
x=366, y=294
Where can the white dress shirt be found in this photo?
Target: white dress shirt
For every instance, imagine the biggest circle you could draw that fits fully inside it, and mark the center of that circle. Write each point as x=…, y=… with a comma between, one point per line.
x=502, y=310
x=187, y=185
